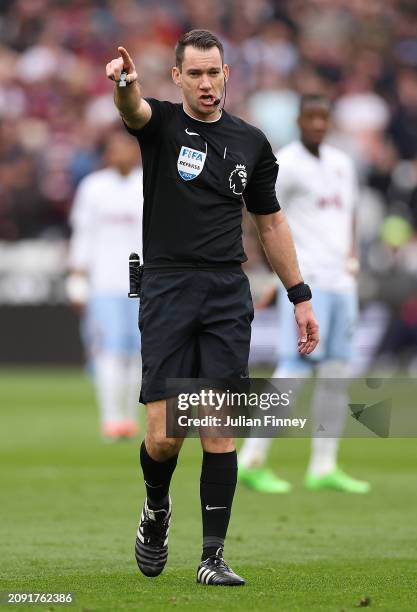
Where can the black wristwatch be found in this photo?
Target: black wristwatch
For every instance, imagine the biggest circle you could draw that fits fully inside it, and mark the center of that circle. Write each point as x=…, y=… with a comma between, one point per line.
x=299, y=293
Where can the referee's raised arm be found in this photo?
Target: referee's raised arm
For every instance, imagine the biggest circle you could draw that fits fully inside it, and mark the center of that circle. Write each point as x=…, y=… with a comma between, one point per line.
x=135, y=111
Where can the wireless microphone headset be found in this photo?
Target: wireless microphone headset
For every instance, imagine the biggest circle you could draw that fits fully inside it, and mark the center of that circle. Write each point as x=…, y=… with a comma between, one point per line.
x=218, y=100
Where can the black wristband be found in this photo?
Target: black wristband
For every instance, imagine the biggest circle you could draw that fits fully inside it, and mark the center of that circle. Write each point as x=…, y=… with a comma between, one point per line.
x=299, y=293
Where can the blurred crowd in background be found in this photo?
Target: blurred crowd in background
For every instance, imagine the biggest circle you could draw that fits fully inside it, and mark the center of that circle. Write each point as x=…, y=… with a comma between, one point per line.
x=56, y=109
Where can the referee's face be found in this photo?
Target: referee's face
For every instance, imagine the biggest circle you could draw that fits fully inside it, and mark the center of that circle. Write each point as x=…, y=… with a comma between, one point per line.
x=202, y=77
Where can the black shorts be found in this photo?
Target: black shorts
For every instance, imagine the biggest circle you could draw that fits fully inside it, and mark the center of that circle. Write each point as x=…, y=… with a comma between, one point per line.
x=194, y=324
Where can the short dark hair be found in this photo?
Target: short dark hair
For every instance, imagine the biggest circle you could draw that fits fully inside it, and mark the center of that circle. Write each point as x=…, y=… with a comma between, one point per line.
x=200, y=39
x=312, y=98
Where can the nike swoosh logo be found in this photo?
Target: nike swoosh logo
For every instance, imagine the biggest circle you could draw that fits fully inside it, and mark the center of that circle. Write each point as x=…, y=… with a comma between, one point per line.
x=152, y=486
x=191, y=133
x=216, y=507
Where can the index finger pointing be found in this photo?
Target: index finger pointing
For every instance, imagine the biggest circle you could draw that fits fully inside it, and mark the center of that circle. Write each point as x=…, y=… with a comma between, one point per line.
x=127, y=60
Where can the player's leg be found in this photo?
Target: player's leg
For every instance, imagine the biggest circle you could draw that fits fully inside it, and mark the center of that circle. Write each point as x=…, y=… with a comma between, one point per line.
x=321, y=446
x=133, y=367
x=329, y=410
x=253, y=471
x=104, y=327
x=158, y=459
x=131, y=399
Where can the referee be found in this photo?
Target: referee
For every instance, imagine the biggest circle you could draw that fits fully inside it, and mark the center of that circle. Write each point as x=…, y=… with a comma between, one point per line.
x=200, y=166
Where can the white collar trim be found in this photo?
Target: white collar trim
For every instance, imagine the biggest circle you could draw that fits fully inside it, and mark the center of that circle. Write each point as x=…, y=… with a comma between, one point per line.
x=202, y=120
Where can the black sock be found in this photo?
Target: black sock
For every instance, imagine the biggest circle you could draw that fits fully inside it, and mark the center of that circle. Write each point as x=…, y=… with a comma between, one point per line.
x=157, y=475
x=217, y=488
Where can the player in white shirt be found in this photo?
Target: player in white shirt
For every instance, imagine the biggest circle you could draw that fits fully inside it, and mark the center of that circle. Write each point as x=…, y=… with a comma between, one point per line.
x=317, y=188
x=106, y=220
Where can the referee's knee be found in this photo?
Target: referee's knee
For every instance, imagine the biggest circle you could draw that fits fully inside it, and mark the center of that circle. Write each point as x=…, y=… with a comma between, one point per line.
x=160, y=447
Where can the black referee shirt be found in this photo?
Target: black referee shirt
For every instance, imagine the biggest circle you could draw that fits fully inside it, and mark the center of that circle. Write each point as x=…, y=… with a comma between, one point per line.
x=196, y=177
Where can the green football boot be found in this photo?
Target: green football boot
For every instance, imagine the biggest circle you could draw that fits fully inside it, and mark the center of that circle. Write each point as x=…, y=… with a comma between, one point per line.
x=262, y=480
x=336, y=481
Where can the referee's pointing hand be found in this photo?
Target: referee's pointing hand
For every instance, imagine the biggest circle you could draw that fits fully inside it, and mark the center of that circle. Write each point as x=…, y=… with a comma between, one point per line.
x=308, y=329
x=124, y=63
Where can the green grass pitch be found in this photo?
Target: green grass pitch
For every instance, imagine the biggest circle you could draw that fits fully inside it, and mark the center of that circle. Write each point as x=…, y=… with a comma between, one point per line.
x=70, y=505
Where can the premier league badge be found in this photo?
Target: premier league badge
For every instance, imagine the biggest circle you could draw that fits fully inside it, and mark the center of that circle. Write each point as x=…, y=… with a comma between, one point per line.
x=238, y=179
x=190, y=163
